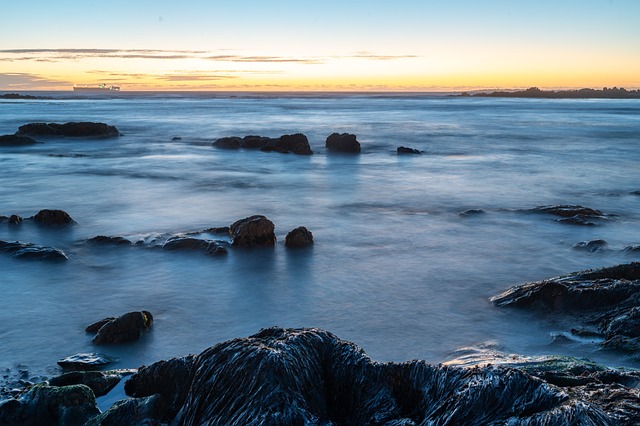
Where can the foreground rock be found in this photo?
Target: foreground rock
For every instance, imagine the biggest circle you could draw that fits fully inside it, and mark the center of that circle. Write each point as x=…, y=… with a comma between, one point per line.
x=296, y=143
x=53, y=217
x=100, y=382
x=16, y=140
x=342, y=142
x=299, y=237
x=606, y=299
x=126, y=328
x=72, y=129
x=22, y=250
x=253, y=231
x=572, y=214
x=84, y=361
x=309, y=376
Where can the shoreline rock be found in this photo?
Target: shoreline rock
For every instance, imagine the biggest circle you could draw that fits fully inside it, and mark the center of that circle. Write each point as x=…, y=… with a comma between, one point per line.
x=125, y=328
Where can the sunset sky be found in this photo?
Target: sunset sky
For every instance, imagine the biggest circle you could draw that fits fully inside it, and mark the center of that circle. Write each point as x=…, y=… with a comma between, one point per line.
x=395, y=45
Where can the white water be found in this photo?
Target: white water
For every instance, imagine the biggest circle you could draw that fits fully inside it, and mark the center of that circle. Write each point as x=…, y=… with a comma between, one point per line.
x=395, y=268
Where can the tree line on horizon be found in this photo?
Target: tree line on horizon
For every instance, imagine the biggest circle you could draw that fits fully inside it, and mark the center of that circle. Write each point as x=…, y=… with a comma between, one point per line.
x=534, y=92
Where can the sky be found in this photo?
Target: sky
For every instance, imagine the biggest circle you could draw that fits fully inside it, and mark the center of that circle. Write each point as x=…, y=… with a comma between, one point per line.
x=320, y=45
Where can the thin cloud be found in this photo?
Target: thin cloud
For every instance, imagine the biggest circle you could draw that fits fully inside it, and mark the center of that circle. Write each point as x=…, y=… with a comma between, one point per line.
x=21, y=81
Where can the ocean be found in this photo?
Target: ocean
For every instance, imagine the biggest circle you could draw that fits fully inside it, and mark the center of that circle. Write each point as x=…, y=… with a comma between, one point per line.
x=395, y=268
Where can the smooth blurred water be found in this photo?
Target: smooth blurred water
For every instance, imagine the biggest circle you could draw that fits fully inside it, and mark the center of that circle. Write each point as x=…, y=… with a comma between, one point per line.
x=395, y=268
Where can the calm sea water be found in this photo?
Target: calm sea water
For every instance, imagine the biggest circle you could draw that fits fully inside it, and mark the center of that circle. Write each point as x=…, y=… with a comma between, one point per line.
x=395, y=268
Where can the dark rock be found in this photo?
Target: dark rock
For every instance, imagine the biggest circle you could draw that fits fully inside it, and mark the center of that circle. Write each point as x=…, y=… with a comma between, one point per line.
x=472, y=212
x=103, y=239
x=607, y=297
x=232, y=142
x=14, y=219
x=591, y=246
x=632, y=249
x=255, y=142
x=176, y=138
x=125, y=328
x=572, y=214
x=253, y=231
x=342, y=142
x=53, y=217
x=73, y=129
x=309, y=376
x=19, y=96
x=50, y=405
x=188, y=243
x=131, y=412
x=16, y=140
x=299, y=237
x=84, y=361
x=216, y=230
x=296, y=143
x=405, y=150
x=93, y=328
x=100, y=382
x=22, y=250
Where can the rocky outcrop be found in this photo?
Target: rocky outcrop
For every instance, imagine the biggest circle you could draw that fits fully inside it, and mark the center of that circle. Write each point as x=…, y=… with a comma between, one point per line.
x=188, y=243
x=16, y=140
x=100, y=382
x=53, y=217
x=572, y=214
x=125, y=328
x=108, y=240
x=253, y=231
x=591, y=246
x=296, y=143
x=309, y=376
x=72, y=129
x=50, y=405
x=406, y=150
x=22, y=250
x=607, y=299
x=342, y=142
x=299, y=237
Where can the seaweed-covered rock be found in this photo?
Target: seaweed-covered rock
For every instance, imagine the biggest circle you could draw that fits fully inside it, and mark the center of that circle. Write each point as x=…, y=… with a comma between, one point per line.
x=125, y=328
x=50, y=217
x=50, y=405
x=342, y=142
x=72, y=129
x=253, y=231
x=100, y=382
x=608, y=298
x=309, y=376
x=131, y=412
x=299, y=237
x=22, y=250
x=16, y=140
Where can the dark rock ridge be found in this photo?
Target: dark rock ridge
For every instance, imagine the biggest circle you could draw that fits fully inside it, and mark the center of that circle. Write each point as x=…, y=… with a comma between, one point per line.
x=16, y=140
x=72, y=129
x=19, y=96
x=53, y=217
x=253, y=231
x=188, y=243
x=299, y=237
x=108, y=240
x=125, y=328
x=572, y=214
x=22, y=250
x=14, y=219
x=296, y=143
x=342, y=142
x=607, y=299
x=309, y=376
x=406, y=150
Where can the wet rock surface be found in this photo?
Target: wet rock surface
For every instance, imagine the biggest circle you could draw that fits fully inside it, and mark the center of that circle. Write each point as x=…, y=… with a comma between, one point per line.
x=84, y=361
x=591, y=246
x=16, y=140
x=30, y=251
x=572, y=214
x=108, y=240
x=342, y=142
x=187, y=243
x=295, y=143
x=100, y=382
x=125, y=328
x=407, y=150
x=309, y=376
x=606, y=299
x=253, y=231
x=52, y=217
x=72, y=129
x=299, y=237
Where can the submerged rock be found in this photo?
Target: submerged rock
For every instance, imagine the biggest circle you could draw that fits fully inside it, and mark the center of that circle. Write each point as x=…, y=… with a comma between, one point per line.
x=608, y=298
x=53, y=217
x=125, y=328
x=592, y=246
x=84, y=361
x=572, y=214
x=342, y=142
x=309, y=376
x=253, y=231
x=188, y=243
x=14, y=219
x=16, y=140
x=72, y=129
x=472, y=212
x=103, y=239
x=50, y=405
x=406, y=150
x=22, y=250
x=299, y=237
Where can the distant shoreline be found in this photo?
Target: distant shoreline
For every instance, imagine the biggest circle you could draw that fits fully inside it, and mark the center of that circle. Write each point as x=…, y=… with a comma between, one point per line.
x=534, y=92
